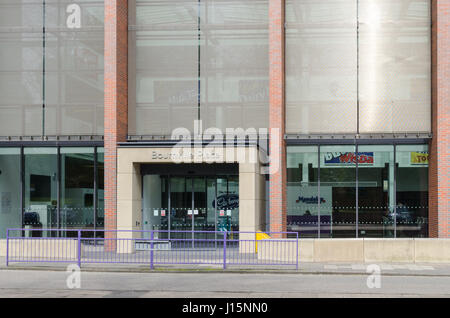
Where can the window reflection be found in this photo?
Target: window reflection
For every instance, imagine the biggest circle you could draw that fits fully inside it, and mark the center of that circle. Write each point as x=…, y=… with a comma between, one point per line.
x=337, y=187
x=10, y=213
x=390, y=198
x=412, y=191
x=302, y=193
x=376, y=192
x=41, y=193
x=77, y=188
x=193, y=59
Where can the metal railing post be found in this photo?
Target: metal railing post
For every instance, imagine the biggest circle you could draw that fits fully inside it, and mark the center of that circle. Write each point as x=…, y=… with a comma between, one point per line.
x=7, y=246
x=151, y=249
x=79, y=248
x=224, y=250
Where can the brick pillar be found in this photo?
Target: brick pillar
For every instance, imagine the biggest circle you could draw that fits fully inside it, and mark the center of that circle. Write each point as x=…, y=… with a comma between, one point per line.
x=439, y=164
x=277, y=117
x=116, y=103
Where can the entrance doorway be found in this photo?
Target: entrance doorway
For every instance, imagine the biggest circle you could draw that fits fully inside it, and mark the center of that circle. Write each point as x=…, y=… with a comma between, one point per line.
x=177, y=203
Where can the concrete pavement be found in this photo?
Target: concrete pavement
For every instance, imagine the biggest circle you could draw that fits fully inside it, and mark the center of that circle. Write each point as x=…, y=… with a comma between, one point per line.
x=392, y=269
x=31, y=283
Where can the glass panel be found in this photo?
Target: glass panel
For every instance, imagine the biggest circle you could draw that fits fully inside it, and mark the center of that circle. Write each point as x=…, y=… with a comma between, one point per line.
x=211, y=205
x=412, y=191
x=10, y=213
x=234, y=59
x=192, y=59
x=41, y=180
x=395, y=66
x=338, y=188
x=223, y=220
x=180, y=203
x=100, y=188
x=19, y=14
x=233, y=202
x=155, y=216
x=21, y=67
x=77, y=188
x=163, y=65
x=376, y=191
x=303, y=193
x=200, y=212
x=74, y=69
x=193, y=204
x=321, y=66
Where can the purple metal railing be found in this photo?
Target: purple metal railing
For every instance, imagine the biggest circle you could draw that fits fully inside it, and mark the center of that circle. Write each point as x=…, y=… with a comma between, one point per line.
x=151, y=247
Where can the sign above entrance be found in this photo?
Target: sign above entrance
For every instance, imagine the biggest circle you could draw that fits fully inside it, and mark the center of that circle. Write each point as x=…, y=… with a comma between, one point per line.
x=186, y=155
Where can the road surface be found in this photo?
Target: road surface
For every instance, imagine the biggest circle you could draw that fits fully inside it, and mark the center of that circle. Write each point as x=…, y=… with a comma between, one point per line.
x=48, y=283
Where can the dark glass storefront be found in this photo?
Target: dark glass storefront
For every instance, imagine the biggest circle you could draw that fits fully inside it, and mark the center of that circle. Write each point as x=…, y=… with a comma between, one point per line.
x=191, y=199
x=10, y=189
x=51, y=187
x=381, y=192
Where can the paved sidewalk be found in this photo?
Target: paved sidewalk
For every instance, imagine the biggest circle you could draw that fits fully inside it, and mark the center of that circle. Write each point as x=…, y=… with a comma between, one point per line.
x=48, y=283
x=394, y=269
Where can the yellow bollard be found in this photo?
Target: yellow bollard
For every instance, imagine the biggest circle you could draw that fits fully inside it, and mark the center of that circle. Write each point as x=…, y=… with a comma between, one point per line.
x=260, y=236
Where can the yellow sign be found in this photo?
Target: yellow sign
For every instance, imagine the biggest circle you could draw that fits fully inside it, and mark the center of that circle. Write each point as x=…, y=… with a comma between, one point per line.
x=419, y=158
x=260, y=236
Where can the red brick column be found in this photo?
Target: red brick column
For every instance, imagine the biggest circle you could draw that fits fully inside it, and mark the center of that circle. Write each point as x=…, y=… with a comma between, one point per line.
x=277, y=116
x=439, y=164
x=116, y=103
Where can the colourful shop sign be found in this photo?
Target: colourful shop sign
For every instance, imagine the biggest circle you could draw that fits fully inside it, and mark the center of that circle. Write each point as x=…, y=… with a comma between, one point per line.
x=419, y=158
x=344, y=158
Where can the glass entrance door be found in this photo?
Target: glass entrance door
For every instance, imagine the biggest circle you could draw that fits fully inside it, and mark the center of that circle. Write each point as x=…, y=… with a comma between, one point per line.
x=177, y=205
x=180, y=205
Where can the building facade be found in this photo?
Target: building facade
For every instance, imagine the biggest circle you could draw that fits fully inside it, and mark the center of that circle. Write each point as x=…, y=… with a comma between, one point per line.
x=325, y=118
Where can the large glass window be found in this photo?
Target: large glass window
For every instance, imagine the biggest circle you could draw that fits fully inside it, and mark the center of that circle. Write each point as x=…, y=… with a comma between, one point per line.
x=100, y=219
x=74, y=67
x=234, y=62
x=302, y=191
x=21, y=66
x=51, y=53
x=77, y=188
x=412, y=191
x=395, y=66
x=341, y=54
x=163, y=65
x=61, y=187
x=41, y=188
x=191, y=59
x=337, y=187
x=376, y=191
x=358, y=190
x=321, y=66
x=10, y=212
x=185, y=203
